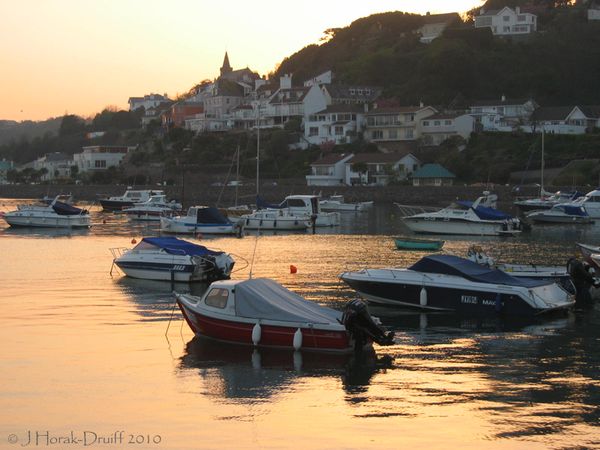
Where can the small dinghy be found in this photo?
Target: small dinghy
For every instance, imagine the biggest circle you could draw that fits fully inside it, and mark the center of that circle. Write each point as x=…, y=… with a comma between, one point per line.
x=418, y=244
x=261, y=312
x=172, y=259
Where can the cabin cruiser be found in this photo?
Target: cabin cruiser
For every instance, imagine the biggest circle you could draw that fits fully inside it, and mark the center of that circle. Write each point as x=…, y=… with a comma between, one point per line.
x=263, y=313
x=306, y=206
x=56, y=214
x=547, y=200
x=274, y=219
x=128, y=199
x=451, y=283
x=557, y=274
x=153, y=208
x=199, y=219
x=591, y=203
x=466, y=218
x=337, y=203
x=561, y=213
x=169, y=258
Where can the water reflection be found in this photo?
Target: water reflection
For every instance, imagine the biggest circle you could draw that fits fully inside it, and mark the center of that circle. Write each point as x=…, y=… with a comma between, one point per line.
x=244, y=372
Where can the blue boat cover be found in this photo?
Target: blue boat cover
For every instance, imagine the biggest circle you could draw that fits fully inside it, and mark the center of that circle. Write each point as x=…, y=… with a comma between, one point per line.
x=454, y=265
x=486, y=213
x=211, y=215
x=175, y=246
x=64, y=209
x=262, y=204
x=574, y=210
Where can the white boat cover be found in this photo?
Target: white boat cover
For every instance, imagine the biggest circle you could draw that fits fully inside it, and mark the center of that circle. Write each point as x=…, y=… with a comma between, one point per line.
x=262, y=298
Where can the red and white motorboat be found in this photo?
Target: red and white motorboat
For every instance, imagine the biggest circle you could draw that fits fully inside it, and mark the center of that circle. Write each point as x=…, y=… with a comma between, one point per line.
x=263, y=313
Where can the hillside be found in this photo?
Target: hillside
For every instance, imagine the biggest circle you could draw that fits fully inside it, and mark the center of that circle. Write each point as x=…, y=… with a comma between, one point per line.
x=27, y=130
x=558, y=65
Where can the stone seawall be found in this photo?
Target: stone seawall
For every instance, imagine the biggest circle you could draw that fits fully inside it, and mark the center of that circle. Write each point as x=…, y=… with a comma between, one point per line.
x=206, y=194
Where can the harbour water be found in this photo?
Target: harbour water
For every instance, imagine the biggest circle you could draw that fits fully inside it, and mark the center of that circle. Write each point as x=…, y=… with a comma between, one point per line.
x=105, y=361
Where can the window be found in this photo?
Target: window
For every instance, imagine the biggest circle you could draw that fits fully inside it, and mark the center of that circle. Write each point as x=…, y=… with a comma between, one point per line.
x=393, y=134
x=339, y=131
x=436, y=123
x=217, y=298
x=521, y=18
x=426, y=123
x=100, y=164
x=447, y=122
x=506, y=18
x=377, y=134
x=506, y=29
x=313, y=131
x=409, y=133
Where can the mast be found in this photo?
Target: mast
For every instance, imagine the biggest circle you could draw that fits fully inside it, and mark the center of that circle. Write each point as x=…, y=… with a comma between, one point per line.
x=258, y=149
x=542, y=171
x=237, y=175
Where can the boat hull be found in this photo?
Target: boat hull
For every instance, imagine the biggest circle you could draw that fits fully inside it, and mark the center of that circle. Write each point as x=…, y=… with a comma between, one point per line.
x=173, y=226
x=281, y=223
x=160, y=272
x=277, y=336
x=557, y=219
x=115, y=205
x=457, y=227
x=418, y=244
x=327, y=205
x=27, y=220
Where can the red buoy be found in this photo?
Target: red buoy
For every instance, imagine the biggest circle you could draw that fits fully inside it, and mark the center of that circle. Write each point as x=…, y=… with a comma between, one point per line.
x=133, y=241
x=293, y=269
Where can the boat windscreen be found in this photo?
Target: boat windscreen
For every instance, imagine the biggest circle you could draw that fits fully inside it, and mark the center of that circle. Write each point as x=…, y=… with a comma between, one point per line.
x=454, y=265
x=261, y=298
x=573, y=210
x=486, y=213
x=175, y=246
x=211, y=215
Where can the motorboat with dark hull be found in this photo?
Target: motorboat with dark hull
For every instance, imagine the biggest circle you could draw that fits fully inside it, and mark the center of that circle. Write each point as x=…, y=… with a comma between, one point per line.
x=172, y=259
x=546, y=201
x=567, y=214
x=451, y=283
x=263, y=313
x=128, y=199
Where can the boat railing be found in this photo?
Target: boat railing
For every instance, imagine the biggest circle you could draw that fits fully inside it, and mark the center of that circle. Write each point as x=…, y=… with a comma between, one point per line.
x=411, y=210
x=118, y=251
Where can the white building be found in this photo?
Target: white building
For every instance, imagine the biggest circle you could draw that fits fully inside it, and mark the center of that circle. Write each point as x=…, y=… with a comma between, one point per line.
x=396, y=124
x=507, y=21
x=437, y=128
x=147, y=101
x=292, y=102
x=565, y=119
x=57, y=165
x=503, y=114
x=337, y=124
x=435, y=24
x=329, y=170
x=381, y=168
x=100, y=157
x=323, y=78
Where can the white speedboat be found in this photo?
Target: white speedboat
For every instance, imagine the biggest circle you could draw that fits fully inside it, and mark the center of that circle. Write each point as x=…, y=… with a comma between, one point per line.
x=561, y=213
x=546, y=200
x=304, y=205
x=590, y=201
x=199, y=219
x=128, y=199
x=261, y=312
x=274, y=219
x=337, y=203
x=152, y=209
x=466, y=218
x=450, y=283
x=169, y=258
x=57, y=214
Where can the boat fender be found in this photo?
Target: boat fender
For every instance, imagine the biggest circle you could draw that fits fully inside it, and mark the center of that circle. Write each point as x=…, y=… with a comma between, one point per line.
x=133, y=241
x=297, y=361
x=297, y=339
x=293, y=269
x=256, y=334
x=423, y=296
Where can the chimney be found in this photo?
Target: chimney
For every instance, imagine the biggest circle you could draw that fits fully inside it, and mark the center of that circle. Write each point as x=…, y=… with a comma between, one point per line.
x=482, y=11
x=503, y=98
x=518, y=9
x=421, y=104
x=285, y=82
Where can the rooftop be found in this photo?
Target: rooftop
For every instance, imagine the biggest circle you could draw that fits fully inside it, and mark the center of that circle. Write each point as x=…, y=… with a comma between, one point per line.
x=433, y=171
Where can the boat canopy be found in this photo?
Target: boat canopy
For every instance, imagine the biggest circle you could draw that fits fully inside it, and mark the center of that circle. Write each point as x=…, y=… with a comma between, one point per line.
x=484, y=212
x=211, y=215
x=454, y=265
x=263, y=204
x=64, y=209
x=261, y=298
x=175, y=246
x=573, y=210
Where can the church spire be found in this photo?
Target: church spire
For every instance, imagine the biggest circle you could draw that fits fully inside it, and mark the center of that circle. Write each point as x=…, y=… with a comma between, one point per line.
x=226, y=67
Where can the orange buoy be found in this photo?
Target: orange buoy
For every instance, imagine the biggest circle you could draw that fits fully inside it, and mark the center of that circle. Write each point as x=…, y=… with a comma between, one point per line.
x=293, y=269
x=133, y=241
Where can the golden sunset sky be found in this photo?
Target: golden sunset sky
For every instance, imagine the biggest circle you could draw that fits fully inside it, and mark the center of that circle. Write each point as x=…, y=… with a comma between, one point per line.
x=79, y=56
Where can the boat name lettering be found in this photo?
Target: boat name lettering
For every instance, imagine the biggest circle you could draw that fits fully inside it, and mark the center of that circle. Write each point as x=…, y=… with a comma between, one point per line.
x=488, y=302
x=468, y=299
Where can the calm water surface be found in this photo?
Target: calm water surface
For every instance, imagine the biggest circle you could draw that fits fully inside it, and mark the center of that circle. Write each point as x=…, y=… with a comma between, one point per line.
x=92, y=354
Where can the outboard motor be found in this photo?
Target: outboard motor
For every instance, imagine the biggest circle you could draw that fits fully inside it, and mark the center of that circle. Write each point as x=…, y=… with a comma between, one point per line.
x=362, y=327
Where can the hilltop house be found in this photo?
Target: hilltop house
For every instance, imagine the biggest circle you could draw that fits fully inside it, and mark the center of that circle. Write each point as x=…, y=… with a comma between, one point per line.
x=437, y=128
x=336, y=124
x=395, y=123
x=330, y=170
x=147, y=101
x=380, y=168
x=177, y=113
x=323, y=78
x=565, y=119
x=344, y=94
x=503, y=114
x=433, y=175
x=507, y=21
x=435, y=24
x=57, y=165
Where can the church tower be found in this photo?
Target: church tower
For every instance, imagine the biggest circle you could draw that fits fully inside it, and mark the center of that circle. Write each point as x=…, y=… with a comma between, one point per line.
x=226, y=67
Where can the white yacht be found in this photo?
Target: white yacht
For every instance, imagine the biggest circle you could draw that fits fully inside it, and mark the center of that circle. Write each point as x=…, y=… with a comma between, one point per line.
x=152, y=209
x=128, y=199
x=308, y=206
x=337, y=203
x=199, y=219
x=590, y=201
x=57, y=214
x=466, y=218
x=564, y=213
x=274, y=219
